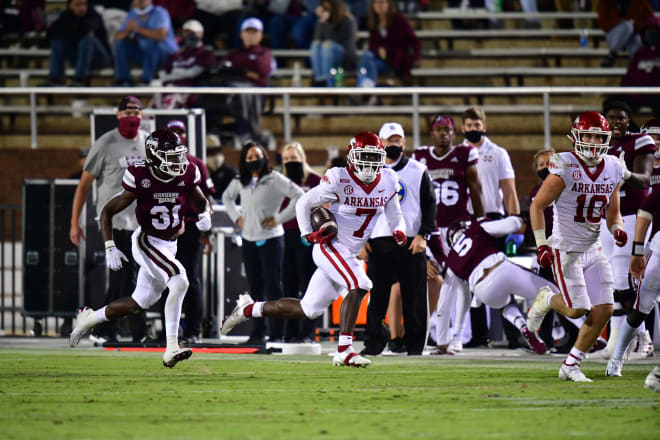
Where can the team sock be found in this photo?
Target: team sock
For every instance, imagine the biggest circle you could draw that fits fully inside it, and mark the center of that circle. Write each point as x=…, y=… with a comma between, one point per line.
x=626, y=335
x=574, y=358
x=345, y=342
x=100, y=315
x=512, y=314
x=255, y=310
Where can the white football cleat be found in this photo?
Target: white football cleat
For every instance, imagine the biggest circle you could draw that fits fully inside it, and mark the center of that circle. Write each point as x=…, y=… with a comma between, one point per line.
x=652, y=381
x=172, y=357
x=349, y=358
x=573, y=374
x=85, y=320
x=237, y=316
x=456, y=344
x=614, y=367
x=539, y=309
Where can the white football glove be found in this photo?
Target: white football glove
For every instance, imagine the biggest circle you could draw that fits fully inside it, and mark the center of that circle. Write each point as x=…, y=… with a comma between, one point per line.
x=204, y=221
x=622, y=162
x=113, y=256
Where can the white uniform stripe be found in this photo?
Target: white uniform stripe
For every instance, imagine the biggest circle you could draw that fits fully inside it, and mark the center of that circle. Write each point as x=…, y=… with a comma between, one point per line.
x=643, y=141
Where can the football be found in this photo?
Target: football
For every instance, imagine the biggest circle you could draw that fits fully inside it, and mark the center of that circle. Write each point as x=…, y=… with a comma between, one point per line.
x=321, y=217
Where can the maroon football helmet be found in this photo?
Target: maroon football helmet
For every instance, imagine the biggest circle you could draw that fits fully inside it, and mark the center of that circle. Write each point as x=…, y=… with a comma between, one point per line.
x=166, y=152
x=652, y=128
x=366, y=156
x=592, y=123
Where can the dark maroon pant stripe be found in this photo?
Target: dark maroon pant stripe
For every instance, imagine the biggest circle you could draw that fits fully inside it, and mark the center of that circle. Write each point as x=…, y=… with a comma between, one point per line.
x=148, y=251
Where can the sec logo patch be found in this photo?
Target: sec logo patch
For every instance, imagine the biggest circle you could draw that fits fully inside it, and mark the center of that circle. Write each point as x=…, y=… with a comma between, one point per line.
x=348, y=189
x=577, y=175
x=145, y=183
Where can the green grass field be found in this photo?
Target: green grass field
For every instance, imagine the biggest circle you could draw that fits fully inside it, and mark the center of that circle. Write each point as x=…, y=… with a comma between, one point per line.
x=89, y=394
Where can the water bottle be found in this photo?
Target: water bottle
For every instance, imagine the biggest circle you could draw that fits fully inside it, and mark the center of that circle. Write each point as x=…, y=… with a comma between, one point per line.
x=584, y=39
x=510, y=249
x=333, y=75
x=339, y=77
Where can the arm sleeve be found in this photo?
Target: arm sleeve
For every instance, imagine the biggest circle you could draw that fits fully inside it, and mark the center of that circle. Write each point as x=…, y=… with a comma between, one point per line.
x=229, y=199
x=324, y=192
x=505, y=226
x=427, y=205
x=287, y=188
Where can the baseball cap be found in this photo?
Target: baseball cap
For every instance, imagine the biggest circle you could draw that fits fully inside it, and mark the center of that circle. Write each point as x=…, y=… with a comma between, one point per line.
x=443, y=120
x=130, y=102
x=390, y=129
x=175, y=123
x=252, y=23
x=193, y=25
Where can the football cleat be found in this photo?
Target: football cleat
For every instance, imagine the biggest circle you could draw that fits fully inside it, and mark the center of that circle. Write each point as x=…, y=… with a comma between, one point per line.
x=614, y=367
x=85, y=320
x=572, y=373
x=652, y=381
x=641, y=346
x=535, y=344
x=237, y=316
x=539, y=309
x=349, y=358
x=600, y=344
x=456, y=344
x=172, y=357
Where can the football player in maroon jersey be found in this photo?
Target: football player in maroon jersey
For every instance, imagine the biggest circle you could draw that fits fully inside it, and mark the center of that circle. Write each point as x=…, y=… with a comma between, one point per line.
x=652, y=128
x=158, y=185
x=635, y=151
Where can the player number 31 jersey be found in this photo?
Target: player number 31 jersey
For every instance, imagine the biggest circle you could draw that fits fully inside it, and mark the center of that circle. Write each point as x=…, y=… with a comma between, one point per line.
x=582, y=203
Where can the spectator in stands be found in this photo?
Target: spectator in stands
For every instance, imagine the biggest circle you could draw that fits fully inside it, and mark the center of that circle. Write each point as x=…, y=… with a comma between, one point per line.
x=145, y=37
x=22, y=17
x=359, y=9
x=221, y=172
x=334, y=43
x=393, y=45
x=190, y=245
x=262, y=192
x=644, y=70
x=249, y=66
x=219, y=18
x=622, y=21
x=78, y=35
x=106, y=162
x=297, y=21
x=189, y=66
x=298, y=263
x=180, y=11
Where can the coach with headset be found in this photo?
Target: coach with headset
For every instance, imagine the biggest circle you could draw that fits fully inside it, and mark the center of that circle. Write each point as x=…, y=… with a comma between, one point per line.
x=389, y=263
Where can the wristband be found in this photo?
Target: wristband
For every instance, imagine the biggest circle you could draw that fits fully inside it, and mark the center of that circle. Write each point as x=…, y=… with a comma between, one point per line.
x=539, y=236
x=109, y=244
x=638, y=249
x=614, y=227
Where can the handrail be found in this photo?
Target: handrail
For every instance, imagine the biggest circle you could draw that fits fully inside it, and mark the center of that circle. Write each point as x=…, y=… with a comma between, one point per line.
x=286, y=92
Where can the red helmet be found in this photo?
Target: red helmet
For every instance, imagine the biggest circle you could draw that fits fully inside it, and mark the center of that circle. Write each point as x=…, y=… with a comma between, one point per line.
x=166, y=152
x=593, y=123
x=366, y=156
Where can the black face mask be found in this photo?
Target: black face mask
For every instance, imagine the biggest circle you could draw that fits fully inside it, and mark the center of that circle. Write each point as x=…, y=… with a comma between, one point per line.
x=474, y=136
x=543, y=173
x=294, y=171
x=255, y=165
x=191, y=40
x=393, y=152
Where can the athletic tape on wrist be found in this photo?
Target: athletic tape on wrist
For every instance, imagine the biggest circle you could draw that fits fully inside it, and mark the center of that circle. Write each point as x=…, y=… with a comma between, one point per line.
x=109, y=244
x=539, y=236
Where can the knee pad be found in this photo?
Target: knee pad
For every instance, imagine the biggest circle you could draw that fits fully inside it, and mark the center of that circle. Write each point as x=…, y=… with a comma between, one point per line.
x=178, y=284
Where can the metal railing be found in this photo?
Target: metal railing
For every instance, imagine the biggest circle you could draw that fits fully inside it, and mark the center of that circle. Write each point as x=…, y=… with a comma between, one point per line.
x=9, y=274
x=413, y=93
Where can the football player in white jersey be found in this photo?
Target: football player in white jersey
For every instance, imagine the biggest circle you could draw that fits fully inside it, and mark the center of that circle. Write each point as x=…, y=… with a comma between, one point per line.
x=357, y=195
x=582, y=183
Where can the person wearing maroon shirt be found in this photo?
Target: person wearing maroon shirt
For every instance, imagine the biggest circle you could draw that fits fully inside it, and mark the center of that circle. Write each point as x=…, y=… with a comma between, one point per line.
x=393, y=45
x=158, y=185
x=644, y=70
x=635, y=152
x=298, y=263
x=652, y=128
x=192, y=63
x=249, y=66
x=191, y=243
